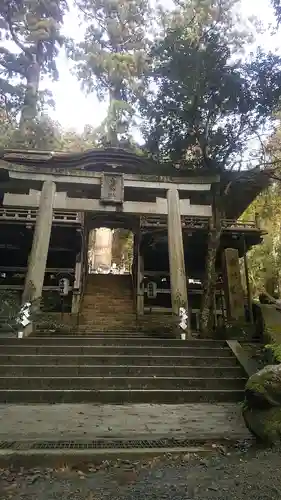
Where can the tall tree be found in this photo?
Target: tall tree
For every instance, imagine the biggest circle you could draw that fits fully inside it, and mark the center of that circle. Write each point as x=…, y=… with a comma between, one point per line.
x=73, y=141
x=112, y=58
x=265, y=260
x=277, y=8
x=29, y=42
x=7, y=128
x=208, y=104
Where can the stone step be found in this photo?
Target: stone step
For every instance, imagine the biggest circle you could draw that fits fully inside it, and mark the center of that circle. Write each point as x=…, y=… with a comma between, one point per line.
x=233, y=372
x=107, y=340
x=117, y=396
x=92, y=319
x=100, y=316
x=109, y=280
x=102, y=312
x=112, y=305
x=73, y=333
x=118, y=368
x=116, y=359
x=113, y=293
x=76, y=350
x=85, y=328
x=132, y=383
x=112, y=297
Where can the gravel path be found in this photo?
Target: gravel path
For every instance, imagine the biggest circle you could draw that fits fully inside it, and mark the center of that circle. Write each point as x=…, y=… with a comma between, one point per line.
x=252, y=475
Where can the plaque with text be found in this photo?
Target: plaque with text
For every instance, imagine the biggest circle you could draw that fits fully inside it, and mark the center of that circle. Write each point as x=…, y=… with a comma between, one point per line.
x=233, y=284
x=112, y=189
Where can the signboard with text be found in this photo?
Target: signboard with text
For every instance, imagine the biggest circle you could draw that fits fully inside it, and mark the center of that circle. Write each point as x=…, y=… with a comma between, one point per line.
x=112, y=188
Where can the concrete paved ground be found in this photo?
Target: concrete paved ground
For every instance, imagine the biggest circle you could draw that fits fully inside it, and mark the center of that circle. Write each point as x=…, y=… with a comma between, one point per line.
x=87, y=422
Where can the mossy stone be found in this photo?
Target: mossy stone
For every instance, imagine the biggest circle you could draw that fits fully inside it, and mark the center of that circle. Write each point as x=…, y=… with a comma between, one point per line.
x=264, y=424
x=263, y=389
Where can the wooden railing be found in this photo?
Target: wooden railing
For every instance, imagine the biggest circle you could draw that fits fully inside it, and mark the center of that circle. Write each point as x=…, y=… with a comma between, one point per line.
x=29, y=215
x=51, y=288
x=152, y=221
x=238, y=224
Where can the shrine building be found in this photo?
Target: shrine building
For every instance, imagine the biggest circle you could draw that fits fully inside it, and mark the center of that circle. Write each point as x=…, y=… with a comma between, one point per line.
x=52, y=202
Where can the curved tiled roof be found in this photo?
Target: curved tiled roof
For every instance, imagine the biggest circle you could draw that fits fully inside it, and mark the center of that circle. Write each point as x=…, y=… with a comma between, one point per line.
x=245, y=186
x=94, y=159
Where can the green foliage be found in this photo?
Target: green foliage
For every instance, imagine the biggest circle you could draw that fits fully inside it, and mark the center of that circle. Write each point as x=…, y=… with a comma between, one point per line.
x=265, y=260
x=236, y=330
x=9, y=304
x=273, y=353
x=29, y=42
x=72, y=141
x=7, y=128
x=45, y=134
x=208, y=104
x=123, y=248
x=112, y=58
x=277, y=8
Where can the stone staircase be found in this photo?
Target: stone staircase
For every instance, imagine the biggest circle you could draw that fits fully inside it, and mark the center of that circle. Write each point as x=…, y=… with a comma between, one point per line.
x=107, y=304
x=118, y=369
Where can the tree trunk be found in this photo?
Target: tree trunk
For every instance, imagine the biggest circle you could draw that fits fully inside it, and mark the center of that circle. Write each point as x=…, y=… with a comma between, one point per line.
x=209, y=284
x=113, y=117
x=271, y=285
x=29, y=110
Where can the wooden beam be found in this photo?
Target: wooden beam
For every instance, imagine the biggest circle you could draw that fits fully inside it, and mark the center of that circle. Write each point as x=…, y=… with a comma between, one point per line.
x=78, y=177
x=63, y=202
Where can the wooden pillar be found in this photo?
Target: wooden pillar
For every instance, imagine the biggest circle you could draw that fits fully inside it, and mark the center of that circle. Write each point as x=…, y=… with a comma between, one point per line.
x=76, y=296
x=234, y=292
x=215, y=309
x=40, y=246
x=248, y=286
x=140, y=292
x=176, y=256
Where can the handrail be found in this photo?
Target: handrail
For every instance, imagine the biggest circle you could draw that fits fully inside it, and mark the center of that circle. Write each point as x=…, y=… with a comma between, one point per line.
x=29, y=215
x=154, y=221
x=237, y=224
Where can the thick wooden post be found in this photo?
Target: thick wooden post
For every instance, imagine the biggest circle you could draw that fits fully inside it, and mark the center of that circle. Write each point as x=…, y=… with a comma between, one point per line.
x=234, y=292
x=248, y=285
x=176, y=256
x=139, y=280
x=39, y=252
x=76, y=296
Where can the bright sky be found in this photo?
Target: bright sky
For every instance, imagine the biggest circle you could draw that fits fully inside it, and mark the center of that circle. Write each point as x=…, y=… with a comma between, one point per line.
x=74, y=109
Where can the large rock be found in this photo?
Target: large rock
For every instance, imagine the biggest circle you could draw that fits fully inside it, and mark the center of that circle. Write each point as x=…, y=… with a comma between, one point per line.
x=265, y=424
x=263, y=389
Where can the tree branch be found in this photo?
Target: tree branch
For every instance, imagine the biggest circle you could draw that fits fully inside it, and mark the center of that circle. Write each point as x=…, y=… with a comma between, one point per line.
x=12, y=65
x=15, y=38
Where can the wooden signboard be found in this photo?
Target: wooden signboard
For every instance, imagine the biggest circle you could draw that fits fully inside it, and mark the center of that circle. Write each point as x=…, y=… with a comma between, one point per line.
x=112, y=189
x=234, y=292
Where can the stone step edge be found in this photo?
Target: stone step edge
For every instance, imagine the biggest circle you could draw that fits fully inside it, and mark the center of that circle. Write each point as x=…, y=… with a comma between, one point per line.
x=181, y=367
x=55, y=457
x=114, y=391
x=98, y=356
x=118, y=346
x=12, y=377
x=118, y=337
